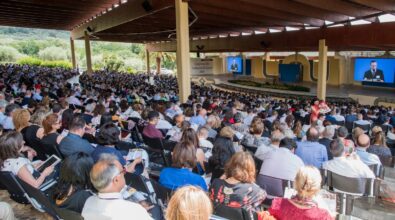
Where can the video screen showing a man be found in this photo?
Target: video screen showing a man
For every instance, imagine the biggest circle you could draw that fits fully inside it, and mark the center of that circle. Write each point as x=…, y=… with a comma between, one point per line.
x=374, y=74
x=234, y=67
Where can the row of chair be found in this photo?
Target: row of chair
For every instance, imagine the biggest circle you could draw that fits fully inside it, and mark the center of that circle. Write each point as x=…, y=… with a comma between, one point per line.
x=24, y=193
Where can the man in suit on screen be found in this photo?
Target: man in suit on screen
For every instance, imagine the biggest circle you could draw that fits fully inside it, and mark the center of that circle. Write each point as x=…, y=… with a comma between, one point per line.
x=374, y=74
x=234, y=67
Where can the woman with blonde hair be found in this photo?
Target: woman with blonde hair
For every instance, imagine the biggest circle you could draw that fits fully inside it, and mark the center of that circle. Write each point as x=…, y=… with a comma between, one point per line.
x=301, y=206
x=31, y=129
x=237, y=188
x=189, y=203
x=379, y=145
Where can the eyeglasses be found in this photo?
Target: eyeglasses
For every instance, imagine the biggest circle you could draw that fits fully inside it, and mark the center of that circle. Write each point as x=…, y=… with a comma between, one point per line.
x=123, y=172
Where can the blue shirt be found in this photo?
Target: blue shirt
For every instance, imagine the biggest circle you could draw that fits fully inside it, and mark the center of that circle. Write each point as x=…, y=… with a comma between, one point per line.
x=199, y=120
x=73, y=143
x=173, y=178
x=312, y=153
x=366, y=157
x=107, y=150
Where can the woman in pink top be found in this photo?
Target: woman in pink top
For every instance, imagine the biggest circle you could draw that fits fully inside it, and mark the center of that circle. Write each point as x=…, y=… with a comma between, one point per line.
x=302, y=206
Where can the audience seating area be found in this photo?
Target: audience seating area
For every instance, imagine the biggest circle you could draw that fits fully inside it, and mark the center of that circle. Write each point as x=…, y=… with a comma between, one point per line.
x=124, y=142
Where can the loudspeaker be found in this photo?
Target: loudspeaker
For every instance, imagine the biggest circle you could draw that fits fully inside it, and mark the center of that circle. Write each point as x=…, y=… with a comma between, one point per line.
x=147, y=5
x=89, y=29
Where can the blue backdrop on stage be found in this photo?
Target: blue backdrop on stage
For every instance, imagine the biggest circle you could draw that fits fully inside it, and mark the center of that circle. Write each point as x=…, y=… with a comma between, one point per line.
x=289, y=72
x=386, y=65
x=234, y=64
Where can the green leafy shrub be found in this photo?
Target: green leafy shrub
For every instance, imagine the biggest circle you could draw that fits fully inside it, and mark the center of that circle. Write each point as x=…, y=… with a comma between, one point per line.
x=271, y=86
x=37, y=62
x=8, y=54
x=29, y=61
x=53, y=53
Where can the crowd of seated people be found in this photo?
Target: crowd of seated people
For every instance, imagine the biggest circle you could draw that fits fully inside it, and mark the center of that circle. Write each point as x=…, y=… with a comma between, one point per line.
x=217, y=142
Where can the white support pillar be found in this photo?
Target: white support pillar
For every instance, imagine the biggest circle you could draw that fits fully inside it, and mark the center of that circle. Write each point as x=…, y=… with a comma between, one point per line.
x=73, y=61
x=183, y=59
x=88, y=54
x=322, y=70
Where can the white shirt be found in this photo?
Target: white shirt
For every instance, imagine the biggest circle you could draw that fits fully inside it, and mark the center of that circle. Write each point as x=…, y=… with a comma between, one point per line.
x=8, y=123
x=163, y=124
x=263, y=150
x=13, y=165
x=248, y=119
x=281, y=163
x=108, y=206
x=72, y=100
x=350, y=166
x=362, y=122
x=339, y=117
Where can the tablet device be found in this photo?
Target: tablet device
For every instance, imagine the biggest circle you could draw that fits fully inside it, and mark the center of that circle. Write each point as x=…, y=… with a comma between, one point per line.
x=51, y=161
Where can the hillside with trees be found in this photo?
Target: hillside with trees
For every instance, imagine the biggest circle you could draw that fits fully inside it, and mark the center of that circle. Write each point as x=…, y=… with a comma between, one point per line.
x=52, y=48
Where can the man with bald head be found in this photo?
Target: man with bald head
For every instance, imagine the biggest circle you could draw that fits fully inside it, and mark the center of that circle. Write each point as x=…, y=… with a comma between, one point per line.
x=107, y=176
x=363, y=142
x=311, y=151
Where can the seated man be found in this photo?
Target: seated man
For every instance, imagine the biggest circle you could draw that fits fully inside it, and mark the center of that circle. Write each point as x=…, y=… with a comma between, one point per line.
x=150, y=130
x=350, y=166
x=310, y=151
x=363, y=142
x=74, y=142
x=273, y=162
x=361, y=121
x=107, y=176
x=275, y=139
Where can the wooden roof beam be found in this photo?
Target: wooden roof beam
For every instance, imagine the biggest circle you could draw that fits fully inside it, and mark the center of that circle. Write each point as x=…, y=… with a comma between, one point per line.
x=383, y=5
x=244, y=8
x=127, y=12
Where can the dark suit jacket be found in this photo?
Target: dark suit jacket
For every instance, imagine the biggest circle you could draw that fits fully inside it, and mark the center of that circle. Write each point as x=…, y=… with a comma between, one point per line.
x=326, y=142
x=378, y=75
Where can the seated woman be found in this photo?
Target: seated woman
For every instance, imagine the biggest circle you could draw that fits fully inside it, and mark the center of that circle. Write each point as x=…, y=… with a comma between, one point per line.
x=307, y=184
x=30, y=128
x=11, y=159
x=190, y=136
x=255, y=138
x=74, y=184
x=223, y=150
x=180, y=174
x=189, y=203
x=51, y=137
x=379, y=145
x=107, y=138
x=237, y=189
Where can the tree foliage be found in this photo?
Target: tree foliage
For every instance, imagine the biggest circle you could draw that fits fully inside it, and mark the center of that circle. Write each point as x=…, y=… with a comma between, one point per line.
x=53, y=53
x=8, y=54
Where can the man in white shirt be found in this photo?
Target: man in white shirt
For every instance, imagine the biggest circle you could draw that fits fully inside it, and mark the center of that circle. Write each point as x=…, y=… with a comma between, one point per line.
x=72, y=100
x=206, y=145
x=275, y=139
x=107, y=176
x=350, y=166
x=251, y=114
x=282, y=163
x=7, y=122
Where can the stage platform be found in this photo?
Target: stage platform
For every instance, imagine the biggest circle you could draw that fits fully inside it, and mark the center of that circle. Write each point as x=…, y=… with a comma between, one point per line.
x=363, y=94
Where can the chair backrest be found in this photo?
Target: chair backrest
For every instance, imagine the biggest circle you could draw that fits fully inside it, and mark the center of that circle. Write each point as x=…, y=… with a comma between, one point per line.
x=40, y=198
x=349, y=125
x=378, y=170
x=17, y=193
x=388, y=161
x=364, y=186
x=274, y=187
x=66, y=214
x=340, y=123
x=385, y=128
x=366, y=127
x=249, y=148
x=154, y=143
x=232, y=213
x=258, y=164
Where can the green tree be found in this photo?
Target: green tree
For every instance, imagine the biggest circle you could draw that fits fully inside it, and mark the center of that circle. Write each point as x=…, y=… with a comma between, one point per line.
x=28, y=47
x=8, y=54
x=53, y=53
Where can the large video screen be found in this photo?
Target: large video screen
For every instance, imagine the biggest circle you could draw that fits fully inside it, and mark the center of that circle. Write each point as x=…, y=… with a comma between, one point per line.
x=234, y=64
x=378, y=70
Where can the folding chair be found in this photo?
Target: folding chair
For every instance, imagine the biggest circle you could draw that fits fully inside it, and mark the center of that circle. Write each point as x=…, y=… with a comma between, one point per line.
x=348, y=188
x=155, y=145
x=388, y=161
x=274, y=187
x=378, y=170
x=233, y=213
x=366, y=127
x=17, y=193
x=250, y=148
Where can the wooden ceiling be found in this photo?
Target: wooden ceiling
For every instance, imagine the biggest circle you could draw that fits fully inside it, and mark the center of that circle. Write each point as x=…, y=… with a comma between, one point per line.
x=50, y=14
x=208, y=18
